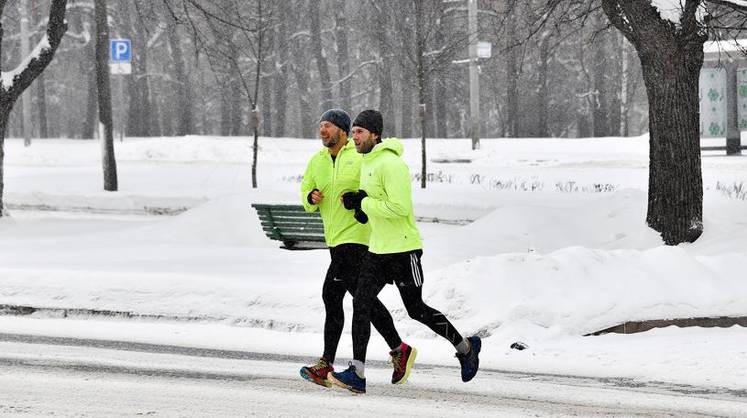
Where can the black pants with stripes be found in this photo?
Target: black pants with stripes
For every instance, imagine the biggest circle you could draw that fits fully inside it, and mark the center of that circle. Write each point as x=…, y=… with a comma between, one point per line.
x=342, y=277
x=405, y=271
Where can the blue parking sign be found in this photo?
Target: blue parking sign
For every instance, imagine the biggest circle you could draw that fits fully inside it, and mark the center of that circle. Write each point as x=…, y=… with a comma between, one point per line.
x=120, y=50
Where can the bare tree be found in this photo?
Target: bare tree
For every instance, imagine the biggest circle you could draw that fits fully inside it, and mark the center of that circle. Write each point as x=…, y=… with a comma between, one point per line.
x=320, y=55
x=233, y=33
x=15, y=82
x=427, y=63
x=103, y=86
x=343, y=58
x=185, y=124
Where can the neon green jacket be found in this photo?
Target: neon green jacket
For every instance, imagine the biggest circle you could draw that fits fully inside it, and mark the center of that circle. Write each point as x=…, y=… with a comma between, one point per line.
x=334, y=179
x=386, y=180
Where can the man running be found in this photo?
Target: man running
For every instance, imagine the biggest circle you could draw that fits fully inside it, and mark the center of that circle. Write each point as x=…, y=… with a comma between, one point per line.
x=393, y=256
x=332, y=171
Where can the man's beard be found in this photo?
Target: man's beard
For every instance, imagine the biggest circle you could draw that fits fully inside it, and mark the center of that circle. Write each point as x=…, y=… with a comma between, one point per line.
x=331, y=142
x=366, y=146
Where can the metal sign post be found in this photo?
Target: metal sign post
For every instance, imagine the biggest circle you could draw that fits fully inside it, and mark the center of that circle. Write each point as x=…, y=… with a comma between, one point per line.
x=120, y=63
x=474, y=80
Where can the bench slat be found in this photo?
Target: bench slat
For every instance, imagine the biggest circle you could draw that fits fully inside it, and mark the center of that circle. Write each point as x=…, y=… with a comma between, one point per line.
x=285, y=214
x=288, y=231
x=291, y=224
x=294, y=237
x=287, y=208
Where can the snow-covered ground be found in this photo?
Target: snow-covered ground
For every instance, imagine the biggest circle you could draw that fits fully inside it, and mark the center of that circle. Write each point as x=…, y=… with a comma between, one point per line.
x=558, y=249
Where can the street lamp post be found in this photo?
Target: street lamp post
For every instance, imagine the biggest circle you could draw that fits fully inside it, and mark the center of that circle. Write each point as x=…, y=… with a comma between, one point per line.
x=474, y=78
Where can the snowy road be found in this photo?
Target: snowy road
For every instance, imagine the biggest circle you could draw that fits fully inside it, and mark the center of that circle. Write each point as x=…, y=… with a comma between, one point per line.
x=42, y=376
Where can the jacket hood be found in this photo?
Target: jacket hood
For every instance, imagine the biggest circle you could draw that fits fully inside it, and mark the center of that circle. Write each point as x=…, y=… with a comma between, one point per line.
x=392, y=144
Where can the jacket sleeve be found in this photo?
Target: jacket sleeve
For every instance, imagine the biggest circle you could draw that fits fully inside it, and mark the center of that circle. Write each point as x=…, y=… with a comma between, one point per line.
x=307, y=185
x=398, y=200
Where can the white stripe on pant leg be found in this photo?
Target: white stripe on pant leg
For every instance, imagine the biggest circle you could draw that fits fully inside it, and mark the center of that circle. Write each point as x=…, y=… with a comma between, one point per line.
x=418, y=279
x=415, y=271
x=418, y=270
x=412, y=271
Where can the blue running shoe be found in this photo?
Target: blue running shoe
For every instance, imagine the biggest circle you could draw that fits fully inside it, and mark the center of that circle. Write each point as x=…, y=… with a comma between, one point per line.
x=349, y=380
x=470, y=361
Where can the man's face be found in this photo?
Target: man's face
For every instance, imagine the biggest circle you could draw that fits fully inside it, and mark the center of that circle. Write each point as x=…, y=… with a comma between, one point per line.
x=364, y=139
x=329, y=133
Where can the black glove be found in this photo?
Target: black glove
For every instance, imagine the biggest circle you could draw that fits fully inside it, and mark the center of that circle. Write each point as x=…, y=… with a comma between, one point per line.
x=352, y=200
x=308, y=197
x=360, y=216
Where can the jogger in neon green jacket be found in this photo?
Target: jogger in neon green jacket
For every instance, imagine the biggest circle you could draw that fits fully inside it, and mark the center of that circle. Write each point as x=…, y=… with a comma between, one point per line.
x=331, y=178
x=332, y=171
x=394, y=253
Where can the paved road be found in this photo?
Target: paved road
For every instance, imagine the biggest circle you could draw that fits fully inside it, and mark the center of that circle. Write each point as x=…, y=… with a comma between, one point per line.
x=45, y=376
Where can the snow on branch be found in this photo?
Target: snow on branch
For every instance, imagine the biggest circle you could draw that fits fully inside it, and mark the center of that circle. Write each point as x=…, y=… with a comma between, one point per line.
x=8, y=78
x=13, y=83
x=739, y=5
x=672, y=10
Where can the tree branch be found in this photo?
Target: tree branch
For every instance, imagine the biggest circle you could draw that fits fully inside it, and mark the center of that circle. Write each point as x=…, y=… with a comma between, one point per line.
x=46, y=47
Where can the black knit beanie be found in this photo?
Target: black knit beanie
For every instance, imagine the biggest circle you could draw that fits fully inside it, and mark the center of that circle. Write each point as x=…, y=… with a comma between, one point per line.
x=337, y=117
x=371, y=120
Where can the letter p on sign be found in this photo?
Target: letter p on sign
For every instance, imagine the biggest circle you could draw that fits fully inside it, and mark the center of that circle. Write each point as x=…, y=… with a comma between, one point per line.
x=120, y=50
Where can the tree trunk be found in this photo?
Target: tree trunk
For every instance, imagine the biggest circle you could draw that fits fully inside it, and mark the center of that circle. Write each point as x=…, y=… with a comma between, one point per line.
x=624, y=77
x=254, y=122
x=280, y=88
x=306, y=119
x=5, y=109
x=280, y=82
x=266, y=107
x=543, y=95
x=438, y=92
x=406, y=80
x=235, y=106
x=267, y=85
x=671, y=59
x=343, y=60
x=103, y=85
x=586, y=117
x=41, y=104
x=386, y=91
x=225, y=109
x=600, y=111
x=422, y=85
x=23, y=12
x=185, y=124
x=512, y=77
x=675, y=203
x=88, y=67
x=142, y=115
x=149, y=112
x=319, y=56
x=136, y=124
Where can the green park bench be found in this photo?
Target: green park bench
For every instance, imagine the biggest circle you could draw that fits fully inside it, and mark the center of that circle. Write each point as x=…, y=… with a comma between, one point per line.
x=291, y=224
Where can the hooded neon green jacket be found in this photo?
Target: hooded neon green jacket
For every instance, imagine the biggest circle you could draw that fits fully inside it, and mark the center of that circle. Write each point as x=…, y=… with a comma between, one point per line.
x=333, y=179
x=386, y=180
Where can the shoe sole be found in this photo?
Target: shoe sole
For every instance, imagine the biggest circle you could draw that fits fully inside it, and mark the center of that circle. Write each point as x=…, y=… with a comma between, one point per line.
x=314, y=379
x=332, y=379
x=408, y=367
